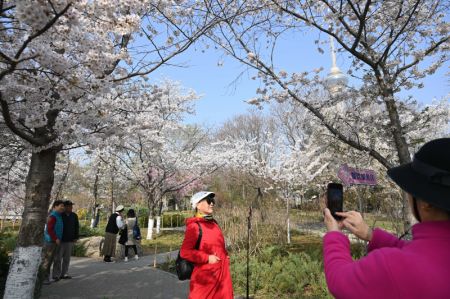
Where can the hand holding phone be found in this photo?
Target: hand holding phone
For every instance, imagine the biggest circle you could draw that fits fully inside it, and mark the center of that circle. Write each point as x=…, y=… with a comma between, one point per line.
x=335, y=199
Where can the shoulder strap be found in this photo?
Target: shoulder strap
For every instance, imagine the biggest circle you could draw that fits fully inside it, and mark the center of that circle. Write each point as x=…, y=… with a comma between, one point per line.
x=199, y=239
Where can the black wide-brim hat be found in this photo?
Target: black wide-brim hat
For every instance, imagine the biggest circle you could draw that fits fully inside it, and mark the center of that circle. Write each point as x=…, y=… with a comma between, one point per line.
x=427, y=177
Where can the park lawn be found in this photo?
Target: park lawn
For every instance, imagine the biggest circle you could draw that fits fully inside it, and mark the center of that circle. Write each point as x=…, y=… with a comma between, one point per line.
x=384, y=222
x=164, y=242
x=312, y=244
x=306, y=216
x=8, y=225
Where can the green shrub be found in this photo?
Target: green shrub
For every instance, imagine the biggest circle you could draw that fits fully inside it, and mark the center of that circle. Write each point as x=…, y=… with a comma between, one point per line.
x=286, y=271
x=4, y=267
x=173, y=219
x=143, y=221
x=79, y=250
x=86, y=231
x=8, y=240
x=8, y=244
x=277, y=273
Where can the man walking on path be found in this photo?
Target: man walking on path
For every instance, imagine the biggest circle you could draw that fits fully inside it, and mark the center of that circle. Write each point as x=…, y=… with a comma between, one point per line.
x=70, y=235
x=53, y=235
x=115, y=223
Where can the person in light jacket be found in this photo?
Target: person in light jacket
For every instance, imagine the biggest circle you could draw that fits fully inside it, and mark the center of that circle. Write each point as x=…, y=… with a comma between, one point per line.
x=211, y=278
x=131, y=241
x=396, y=268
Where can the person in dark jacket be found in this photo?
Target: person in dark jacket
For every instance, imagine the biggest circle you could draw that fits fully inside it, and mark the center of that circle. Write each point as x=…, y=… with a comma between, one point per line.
x=52, y=238
x=71, y=228
x=115, y=223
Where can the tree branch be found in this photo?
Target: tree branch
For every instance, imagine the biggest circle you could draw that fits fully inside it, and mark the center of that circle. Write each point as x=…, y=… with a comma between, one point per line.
x=10, y=124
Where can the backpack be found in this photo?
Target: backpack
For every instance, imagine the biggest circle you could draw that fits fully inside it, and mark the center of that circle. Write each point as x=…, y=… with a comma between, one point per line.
x=184, y=267
x=136, y=231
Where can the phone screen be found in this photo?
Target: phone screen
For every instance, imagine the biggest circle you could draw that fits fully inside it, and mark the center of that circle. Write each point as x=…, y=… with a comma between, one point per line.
x=335, y=198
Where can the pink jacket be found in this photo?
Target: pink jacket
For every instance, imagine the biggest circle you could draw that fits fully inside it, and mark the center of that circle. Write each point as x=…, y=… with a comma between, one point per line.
x=393, y=268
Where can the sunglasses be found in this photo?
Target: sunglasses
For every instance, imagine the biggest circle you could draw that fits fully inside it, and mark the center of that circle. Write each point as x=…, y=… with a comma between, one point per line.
x=210, y=200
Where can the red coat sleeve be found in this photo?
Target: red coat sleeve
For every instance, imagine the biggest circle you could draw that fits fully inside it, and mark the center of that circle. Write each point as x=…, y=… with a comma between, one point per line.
x=188, y=251
x=51, y=228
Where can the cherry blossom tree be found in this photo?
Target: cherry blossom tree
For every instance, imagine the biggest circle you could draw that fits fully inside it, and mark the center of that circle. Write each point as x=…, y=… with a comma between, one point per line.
x=392, y=47
x=66, y=67
x=167, y=156
x=293, y=156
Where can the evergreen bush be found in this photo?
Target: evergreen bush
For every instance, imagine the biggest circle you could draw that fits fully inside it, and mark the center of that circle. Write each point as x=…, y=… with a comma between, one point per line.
x=278, y=273
x=79, y=250
x=86, y=231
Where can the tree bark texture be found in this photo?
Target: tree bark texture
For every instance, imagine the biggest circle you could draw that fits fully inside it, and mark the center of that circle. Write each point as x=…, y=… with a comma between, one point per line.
x=396, y=129
x=27, y=255
x=94, y=205
x=401, y=146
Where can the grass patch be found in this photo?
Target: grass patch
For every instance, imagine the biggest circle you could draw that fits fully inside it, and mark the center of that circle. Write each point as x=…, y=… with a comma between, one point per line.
x=164, y=242
x=79, y=250
x=10, y=226
x=175, y=218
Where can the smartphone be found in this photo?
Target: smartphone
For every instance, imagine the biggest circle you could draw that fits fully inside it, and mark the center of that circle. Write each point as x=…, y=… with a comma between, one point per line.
x=335, y=199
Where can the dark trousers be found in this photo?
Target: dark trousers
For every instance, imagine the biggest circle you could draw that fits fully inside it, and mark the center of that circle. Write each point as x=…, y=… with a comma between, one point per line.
x=130, y=246
x=62, y=259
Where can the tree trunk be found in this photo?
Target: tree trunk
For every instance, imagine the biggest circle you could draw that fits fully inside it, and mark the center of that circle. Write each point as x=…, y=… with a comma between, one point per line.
x=397, y=131
x=27, y=255
x=288, y=221
x=60, y=188
x=151, y=223
x=151, y=204
x=113, y=208
x=401, y=145
x=158, y=217
x=158, y=225
x=94, y=206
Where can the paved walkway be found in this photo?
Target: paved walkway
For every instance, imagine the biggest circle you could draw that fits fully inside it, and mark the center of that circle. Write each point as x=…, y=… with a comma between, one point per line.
x=92, y=278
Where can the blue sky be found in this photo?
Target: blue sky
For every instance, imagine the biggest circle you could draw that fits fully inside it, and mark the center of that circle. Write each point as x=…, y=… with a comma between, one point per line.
x=223, y=97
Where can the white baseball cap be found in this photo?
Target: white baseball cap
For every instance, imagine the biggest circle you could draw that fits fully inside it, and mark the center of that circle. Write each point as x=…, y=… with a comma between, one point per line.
x=197, y=197
x=119, y=208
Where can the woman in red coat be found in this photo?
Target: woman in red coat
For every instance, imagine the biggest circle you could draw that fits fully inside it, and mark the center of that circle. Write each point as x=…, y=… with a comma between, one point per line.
x=211, y=278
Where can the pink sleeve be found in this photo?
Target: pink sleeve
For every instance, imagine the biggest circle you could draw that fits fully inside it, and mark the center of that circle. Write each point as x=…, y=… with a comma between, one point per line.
x=354, y=279
x=381, y=238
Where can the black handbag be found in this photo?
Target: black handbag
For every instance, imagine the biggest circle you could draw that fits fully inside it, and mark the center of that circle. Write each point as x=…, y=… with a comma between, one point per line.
x=123, y=235
x=184, y=267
